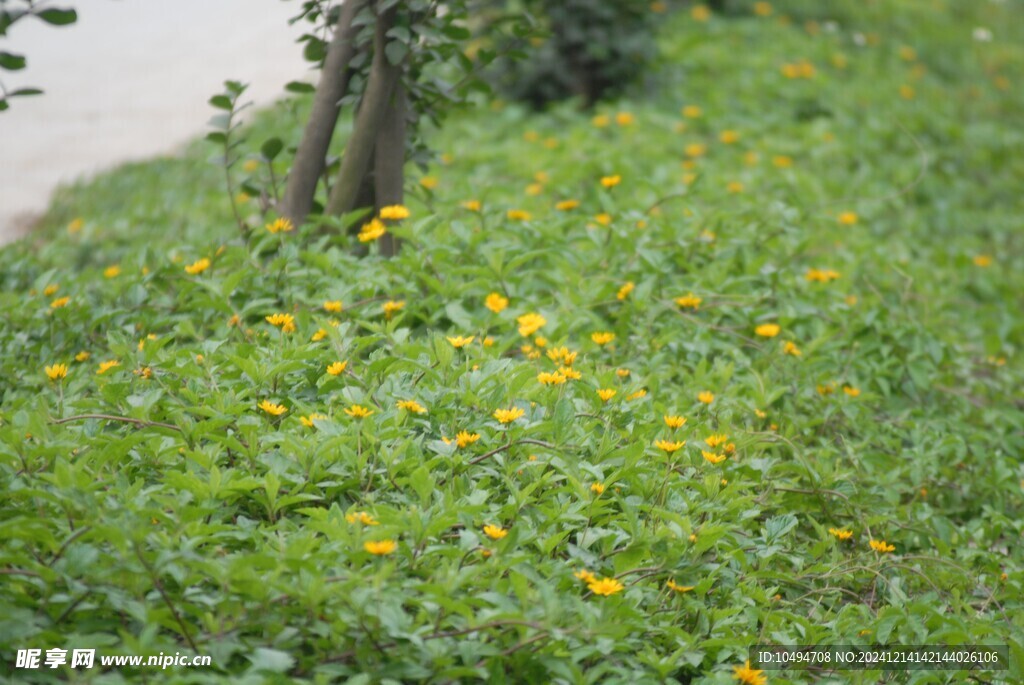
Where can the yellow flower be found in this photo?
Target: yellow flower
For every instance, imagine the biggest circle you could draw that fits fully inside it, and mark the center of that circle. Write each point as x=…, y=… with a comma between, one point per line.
x=695, y=150
x=606, y=394
x=429, y=182
x=530, y=324
x=821, y=275
x=495, y=532
x=459, y=341
x=60, y=302
x=358, y=411
x=333, y=306
x=585, y=575
x=286, y=322
x=597, y=488
x=841, y=533
x=381, y=547
x=198, y=266
x=75, y=225
x=622, y=373
x=566, y=205
x=670, y=446
x=881, y=546
x=625, y=290
x=361, y=517
x=518, y=215
x=555, y=378
x=983, y=260
x=712, y=457
x=508, y=415
x=112, y=271
x=372, y=231
x=688, y=301
x=466, y=438
x=602, y=338
x=762, y=9
x=851, y=391
x=412, y=406
x=534, y=189
x=107, y=366
x=281, y=225
x=851, y=300
x=82, y=356
x=729, y=137
x=250, y=166
x=767, y=330
x=605, y=587
x=675, y=421
x=337, y=368
x=562, y=355
x=496, y=302
x=749, y=676
x=392, y=306
x=624, y=119
x=600, y=121
x=636, y=395
x=611, y=181
x=782, y=161
x=714, y=441
x=705, y=397
x=692, y=112
x=307, y=421
x=848, y=218
x=472, y=205
x=671, y=584
x=488, y=341
x=700, y=13
x=826, y=389
x=394, y=212
x=570, y=373
x=540, y=341
x=790, y=348
x=50, y=289
x=319, y=335
x=56, y=372
x=271, y=408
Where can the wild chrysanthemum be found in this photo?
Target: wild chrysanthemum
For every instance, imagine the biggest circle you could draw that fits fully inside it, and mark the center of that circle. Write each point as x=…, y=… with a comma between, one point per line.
x=394, y=212
x=508, y=415
x=60, y=302
x=675, y=421
x=530, y=323
x=56, y=372
x=841, y=533
x=625, y=290
x=639, y=394
x=881, y=546
x=380, y=547
x=585, y=575
x=705, y=397
x=605, y=586
x=319, y=335
x=333, y=306
x=372, y=230
x=688, y=301
x=429, y=182
x=566, y=205
x=714, y=441
x=671, y=585
x=790, y=348
x=496, y=302
x=749, y=676
x=555, y=378
x=337, y=368
x=712, y=458
x=606, y=394
x=281, y=225
x=611, y=181
x=670, y=446
x=412, y=406
x=570, y=373
x=602, y=338
x=459, y=341
x=112, y=271
x=851, y=391
x=272, y=409
x=308, y=421
x=358, y=411
x=392, y=306
x=518, y=215
x=597, y=488
x=729, y=137
x=472, y=205
x=286, y=322
x=82, y=356
x=361, y=517
x=767, y=330
x=848, y=218
x=464, y=438
x=107, y=366
x=495, y=532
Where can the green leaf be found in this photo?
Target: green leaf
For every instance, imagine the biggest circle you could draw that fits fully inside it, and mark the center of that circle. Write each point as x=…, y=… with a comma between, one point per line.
x=11, y=62
x=57, y=16
x=271, y=149
x=396, y=51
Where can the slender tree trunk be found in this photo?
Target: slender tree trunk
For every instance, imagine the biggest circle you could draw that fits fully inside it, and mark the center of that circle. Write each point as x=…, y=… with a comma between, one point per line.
x=389, y=162
x=310, y=157
x=359, y=151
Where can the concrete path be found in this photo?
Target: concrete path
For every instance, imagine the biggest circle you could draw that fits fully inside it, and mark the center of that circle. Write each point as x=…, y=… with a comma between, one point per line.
x=130, y=80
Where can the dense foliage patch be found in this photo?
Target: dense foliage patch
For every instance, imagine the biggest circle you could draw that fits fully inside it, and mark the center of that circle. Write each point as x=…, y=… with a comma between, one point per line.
x=739, y=364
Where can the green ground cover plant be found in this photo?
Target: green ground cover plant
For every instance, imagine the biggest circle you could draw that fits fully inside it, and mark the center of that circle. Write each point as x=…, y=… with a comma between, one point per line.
x=736, y=362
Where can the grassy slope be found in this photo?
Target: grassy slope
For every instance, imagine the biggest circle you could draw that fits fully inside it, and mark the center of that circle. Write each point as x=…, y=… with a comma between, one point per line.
x=241, y=519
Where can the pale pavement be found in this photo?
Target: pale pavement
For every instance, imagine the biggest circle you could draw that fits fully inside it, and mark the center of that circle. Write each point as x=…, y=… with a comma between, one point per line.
x=130, y=80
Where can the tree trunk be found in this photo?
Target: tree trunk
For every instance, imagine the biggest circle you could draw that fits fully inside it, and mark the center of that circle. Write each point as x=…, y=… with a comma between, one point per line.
x=316, y=139
x=358, y=152
x=389, y=162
